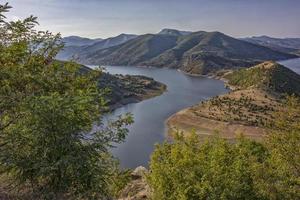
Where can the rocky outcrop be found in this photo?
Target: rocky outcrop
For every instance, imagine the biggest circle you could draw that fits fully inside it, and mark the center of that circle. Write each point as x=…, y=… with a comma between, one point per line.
x=137, y=189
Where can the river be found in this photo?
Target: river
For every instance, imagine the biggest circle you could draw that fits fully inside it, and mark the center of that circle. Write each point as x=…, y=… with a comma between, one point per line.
x=150, y=115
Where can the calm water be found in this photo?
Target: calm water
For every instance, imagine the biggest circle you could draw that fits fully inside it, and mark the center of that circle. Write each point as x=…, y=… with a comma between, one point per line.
x=150, y=115
x=293, y=64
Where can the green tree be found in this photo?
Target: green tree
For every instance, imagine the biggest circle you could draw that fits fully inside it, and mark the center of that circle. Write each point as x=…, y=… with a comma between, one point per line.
x=279, y=176
x=48, y=114
x=215, y=169
x=189, y=168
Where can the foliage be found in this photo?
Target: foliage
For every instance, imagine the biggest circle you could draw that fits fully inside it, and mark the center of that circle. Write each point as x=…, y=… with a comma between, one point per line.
x=189, y=168
x=48, y=111
x=245, y=78
x=215, y=169
x=267, y=75
x=280, y=174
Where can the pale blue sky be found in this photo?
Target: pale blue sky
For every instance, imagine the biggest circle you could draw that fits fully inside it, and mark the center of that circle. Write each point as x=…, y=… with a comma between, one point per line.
x=105, y=18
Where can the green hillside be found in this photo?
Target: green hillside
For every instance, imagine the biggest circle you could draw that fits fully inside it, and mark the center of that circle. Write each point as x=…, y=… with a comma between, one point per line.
x=268, y=75
x=196, y=53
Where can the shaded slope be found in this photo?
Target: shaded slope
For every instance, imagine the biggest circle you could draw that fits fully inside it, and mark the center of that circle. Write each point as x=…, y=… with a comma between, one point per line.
x=197, y=53
x=268, y=76
x=287, y=45
x=133, y=52
x=77, y=47
x=79, y=41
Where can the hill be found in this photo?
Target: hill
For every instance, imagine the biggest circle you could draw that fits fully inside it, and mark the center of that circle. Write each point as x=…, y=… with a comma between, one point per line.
x=106, y=43
x=125, y=89
x=287, y=45
x=175, y=32
x=79, y=41
x=269, y=76
x=249, y=109
x=76, y=47
x=195, y=53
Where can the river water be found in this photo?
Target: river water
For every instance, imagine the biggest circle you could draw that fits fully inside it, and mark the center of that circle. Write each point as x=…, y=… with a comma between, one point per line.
x=150, y=115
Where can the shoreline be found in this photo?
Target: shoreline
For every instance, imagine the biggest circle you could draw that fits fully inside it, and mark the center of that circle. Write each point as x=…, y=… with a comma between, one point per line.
x=151, y=94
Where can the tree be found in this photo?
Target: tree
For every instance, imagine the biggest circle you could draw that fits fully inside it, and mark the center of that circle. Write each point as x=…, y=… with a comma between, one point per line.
x=189, y=168
x=48, y=114
x=279, y=176
x=215, y=169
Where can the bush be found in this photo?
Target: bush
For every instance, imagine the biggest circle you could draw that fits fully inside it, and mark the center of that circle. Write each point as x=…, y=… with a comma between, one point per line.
x=190, y=169
x=216, y=169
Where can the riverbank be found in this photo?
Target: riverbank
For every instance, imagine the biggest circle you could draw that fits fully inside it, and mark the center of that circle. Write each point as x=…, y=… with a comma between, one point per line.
x=249, y=109
x=206, y=119
x=149, y=115
x=136, y=98
x=126, y=89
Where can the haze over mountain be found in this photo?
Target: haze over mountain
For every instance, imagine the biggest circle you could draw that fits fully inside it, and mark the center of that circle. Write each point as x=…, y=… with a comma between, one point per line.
x=175, y=32
x=288, y=45
x=79, y=41
x=197, y=53
x=75, y=46
x=106, y=43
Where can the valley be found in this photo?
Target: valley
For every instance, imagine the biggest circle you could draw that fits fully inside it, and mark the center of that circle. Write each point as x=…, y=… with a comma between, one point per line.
x=101, y=101
x=150, y=115
x=176, y=55
x=157, y=117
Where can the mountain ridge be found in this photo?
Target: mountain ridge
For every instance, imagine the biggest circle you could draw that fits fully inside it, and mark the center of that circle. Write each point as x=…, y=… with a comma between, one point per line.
x=287, y=45
x=77, y=46
x=169, y=31
x=79, y=41
x=196, y=53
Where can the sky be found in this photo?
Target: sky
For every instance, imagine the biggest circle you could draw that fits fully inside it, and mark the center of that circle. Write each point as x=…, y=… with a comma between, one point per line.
x=106, y=18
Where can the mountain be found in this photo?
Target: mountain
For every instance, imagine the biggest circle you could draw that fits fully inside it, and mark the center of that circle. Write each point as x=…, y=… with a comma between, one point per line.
x=175, y=32
x=68, y=52
x=79, y=41
x=78, y=47
x=106, y=43
x=195, y=53
x=288, y=45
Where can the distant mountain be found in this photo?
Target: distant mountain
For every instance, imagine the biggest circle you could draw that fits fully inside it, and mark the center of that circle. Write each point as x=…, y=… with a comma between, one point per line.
x=68, y=52
x=175, y=32
x=106, y=43
x=79, y=47
x=195, y=53
x=288, y=45
x=79, y=41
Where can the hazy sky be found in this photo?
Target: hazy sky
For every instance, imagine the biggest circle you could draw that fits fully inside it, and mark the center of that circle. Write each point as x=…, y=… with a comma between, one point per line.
x=105, y=18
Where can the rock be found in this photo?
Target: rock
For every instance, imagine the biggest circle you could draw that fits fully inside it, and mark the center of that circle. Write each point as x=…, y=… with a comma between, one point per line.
x=137, y=189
